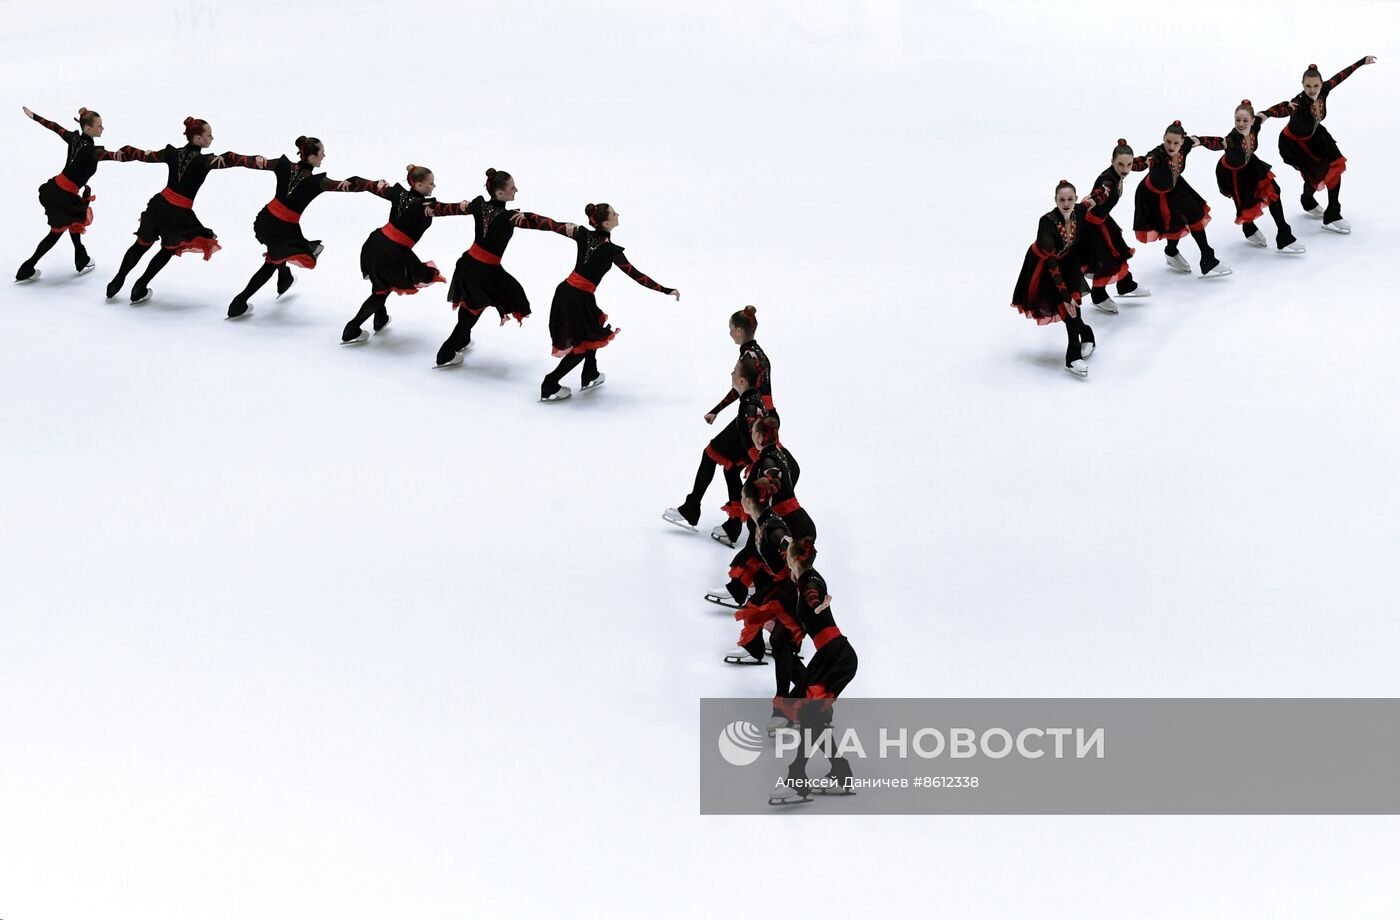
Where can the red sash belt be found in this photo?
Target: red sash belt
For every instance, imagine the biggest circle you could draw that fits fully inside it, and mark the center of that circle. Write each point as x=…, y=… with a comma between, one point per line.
x=1161, y=203
x=175, y=198
x=575, y=280
x=1288, y=132
x=397, y=235
x=825, y=636
x=65, y=183
x=787, y=507
x=482, y=256
x=768, y=403
x=280, y=211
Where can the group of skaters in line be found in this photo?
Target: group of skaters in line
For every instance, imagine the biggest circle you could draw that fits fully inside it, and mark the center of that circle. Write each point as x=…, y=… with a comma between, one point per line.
x=578, y=328
x=778, y=597
x=1080, y=238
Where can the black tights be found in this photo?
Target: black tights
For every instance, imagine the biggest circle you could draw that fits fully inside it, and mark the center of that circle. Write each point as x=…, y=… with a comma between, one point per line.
x=133, y=255
x=589, y=360
x=50, y=240
x=461, y=335
x=1285, y=233
x=1078, y=332
x=1334, y=201
x=373, y=306
x=158, y=261
x=1208, y=259
x=704, y=475
x=260, y=277
x=1126, y=285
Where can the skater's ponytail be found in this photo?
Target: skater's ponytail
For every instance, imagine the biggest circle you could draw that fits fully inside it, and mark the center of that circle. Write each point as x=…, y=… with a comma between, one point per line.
x=1065, y=183
x=1245, y=106
x=1312, y=71
x=496, y=180
x=194, y=127
x=308, y=147
x=748, y=369
x=803, y=551
x=761, y=489
x=597, y=213
x=1175, y=128
x=86, y=117
x=1121, y=149
x=745, y=320
x=765, y=429
x=417, y=173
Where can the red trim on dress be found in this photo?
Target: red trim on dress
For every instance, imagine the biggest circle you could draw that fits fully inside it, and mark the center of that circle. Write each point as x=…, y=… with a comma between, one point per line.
x=398, y=236
x=1334, y=169
x=768, y=403
x=205, y=244
x=280, y=211
x=575, y=280
x=436, y=279
x=735, y=511
x=718, y=457
x=175, y=198
x=483, y=256
x=590, y=345
x=301, y=259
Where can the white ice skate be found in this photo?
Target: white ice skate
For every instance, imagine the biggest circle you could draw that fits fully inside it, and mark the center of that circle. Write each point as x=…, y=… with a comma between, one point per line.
x=740, y=656
x=385, y=325
x=244, y=315
x=1219, y=271
x=595, y=383
x=360, y=339
x=1257, y=239
x=1315, y=211
x=145, y=296
x=1077, y=368
x=1138, y=291
x=1178, y=264
x=1086, y=349
x=788, y=795
x=674, y=516
x=720, y=536
x=1294, y=249
x=776, y=722
x=456, y=359
x=88, y=267
x=722, y=597
x=561, y=393
x=1106, y=306
x=833, y=784
x=34, y=277
x=1337, y=226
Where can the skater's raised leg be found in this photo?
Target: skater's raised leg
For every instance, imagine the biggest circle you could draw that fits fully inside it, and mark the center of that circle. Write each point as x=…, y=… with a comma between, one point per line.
x=284, y=279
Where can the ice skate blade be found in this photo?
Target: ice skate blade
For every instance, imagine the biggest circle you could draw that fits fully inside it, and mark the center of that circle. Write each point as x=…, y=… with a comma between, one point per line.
x=1081, y=372
x=595, y=383
x=1293, y=249
x=782, y=801
x=143, y=298
x=744, y=659
x=722, y=601
x=31, y=279
x=561, y=393
x=454, y=361
x=673, y=516
x=832, y=790
x=1220, y=271
x=1315, y=212
x=87, y=268
x=1337, y=226
x=244, y=315
x=722, y=538
x=360, y=339
x=1108, y=306
x=1257, y=241
x=1135, y=293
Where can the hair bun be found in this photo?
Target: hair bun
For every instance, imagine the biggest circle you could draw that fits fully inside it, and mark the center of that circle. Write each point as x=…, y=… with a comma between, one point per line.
x=82, y=110
x=1246, y=102
x=409, y=168
x=301, y=141
x=750, y=310
x=1177, y=122
x=1312, y=67
x=190, y=120
x=590, y=210
x=1122, y=142
x=490, y=173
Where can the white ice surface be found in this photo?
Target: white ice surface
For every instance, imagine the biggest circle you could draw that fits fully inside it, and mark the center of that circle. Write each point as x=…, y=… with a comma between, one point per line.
x=297, y=631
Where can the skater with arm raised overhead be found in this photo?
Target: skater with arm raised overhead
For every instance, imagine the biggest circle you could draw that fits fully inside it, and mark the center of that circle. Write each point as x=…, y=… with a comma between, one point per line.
x=278, y=224
x=1168, y=208
x=1308, y=147
x=387, y=260
x=66, y=197
x=577, y=328
x=479, y=281
x=1047, y=289
x=1106, y=252
x=169, y=215
x=726, y=448
x=1249, y=182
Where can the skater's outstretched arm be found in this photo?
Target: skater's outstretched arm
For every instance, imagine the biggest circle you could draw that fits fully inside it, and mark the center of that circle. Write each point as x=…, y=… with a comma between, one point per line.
x=1141, y=163
x=1208, y=141
x=1347, y=71
x=449, y=209
x=539, y=222
x=52, y=126
x=132, y=154
x=1282, y=110
x=353, y=184
x=230, y=159
x=621, y=262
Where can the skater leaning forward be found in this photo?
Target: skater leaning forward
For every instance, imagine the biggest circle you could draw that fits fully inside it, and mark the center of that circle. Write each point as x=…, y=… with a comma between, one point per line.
x=387, y=260
x=278, y=224
x=66, y=198
x=777, y=463
x=1048, y=288
x=577, y=328
x=1308, y=147
x=169, y=215
x=479, y=281
x=1106, y=253
x=1168, y=208
x=1249, y=182
x=726, y=449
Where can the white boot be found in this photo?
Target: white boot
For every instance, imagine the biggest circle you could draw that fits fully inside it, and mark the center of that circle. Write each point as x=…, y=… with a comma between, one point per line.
x=1294, y=249
x=561, y=393
x=1178, y=264
x=88, y=267
x=1106, y=306
x=741, y=656
x=357, y=340
x=456, y=359
x=1220, y=270
x=1138, y=291
x=34, y=277
x=1078, y=368
x=1086, y=349
x=776, y=722
x=1337, y=226
x=1315, y=211
x=719, y=535
x=674, y=516
x=1257, y=239
x=595, y=383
